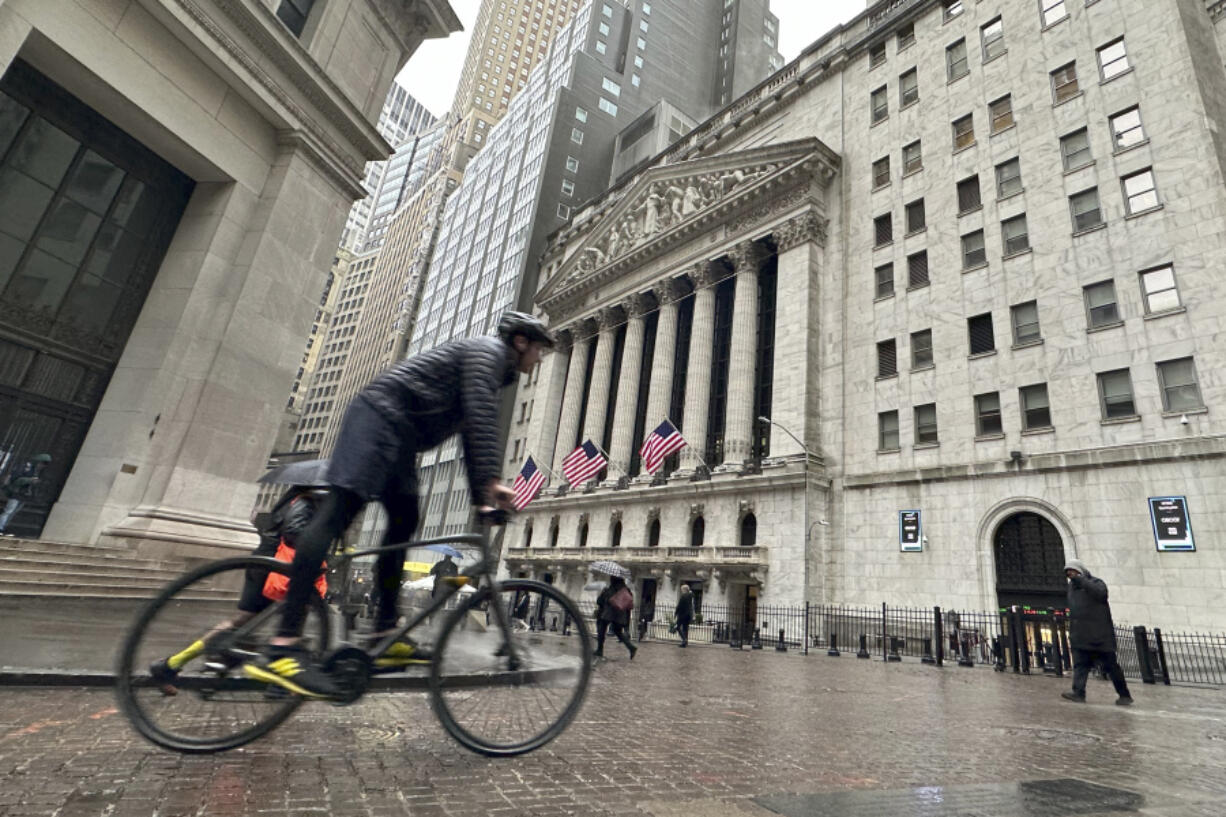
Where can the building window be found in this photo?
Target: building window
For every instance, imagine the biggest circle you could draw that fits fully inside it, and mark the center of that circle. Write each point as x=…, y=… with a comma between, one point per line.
x=568, y=187
x=908, y=88
x=608, y=107
x=917, y=270
x=987, y=414
x=601, y=47
x=887, y=431
x=1101, y=307
x=1085, y=210
x=993, y=37
x=887, y=358
x=926, y=424
x=638, y=60
x=294, y=14
x=880, y=104
x=1014, y=235
x=952, y=8
x=915, y=216
x=641, y=43
x=1126, y=129
x=955, y=61
x=912, y=158
x=607, y=10
x=883, y=230
x=576, y=136
x=635, y=80
x=1053, y=11
x=653, y=534
x=1001, y=112
x=611, y=86
x=883, y=278
x=876, y=55
x=974, y=254
x=964, y=132
x=921, y=349
x=1115, y=394
x=1180, y=391
x=572, y=164
x=1025, y=318
x=643, y=25
x=1139, y=192
x=968, y=194
x=1008, y=178
x=1158, y=289
x=698, y=530
x=1075, y=149
x=604, y=28
x=979, y=331
x=563, y=211
x=1112, y=59
x=1064, y=82
x=1036, y=411
x=906, y=36
x=647, y=8
x=881, y=172
x=581, y=114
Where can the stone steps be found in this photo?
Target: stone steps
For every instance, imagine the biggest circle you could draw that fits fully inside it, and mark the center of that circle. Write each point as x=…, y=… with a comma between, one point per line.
x=33, y=568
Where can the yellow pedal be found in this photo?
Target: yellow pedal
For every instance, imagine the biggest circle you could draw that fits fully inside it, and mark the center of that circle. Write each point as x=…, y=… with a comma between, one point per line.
x=456, y=581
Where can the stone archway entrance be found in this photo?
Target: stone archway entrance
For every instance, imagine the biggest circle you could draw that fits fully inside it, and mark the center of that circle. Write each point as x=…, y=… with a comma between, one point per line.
x=1029, y=556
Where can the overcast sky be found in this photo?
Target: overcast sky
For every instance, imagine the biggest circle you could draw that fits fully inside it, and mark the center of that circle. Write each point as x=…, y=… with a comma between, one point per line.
x=433, y=72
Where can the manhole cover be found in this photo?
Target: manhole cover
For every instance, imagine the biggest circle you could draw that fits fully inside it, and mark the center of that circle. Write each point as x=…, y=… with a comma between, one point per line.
x=1029, y=798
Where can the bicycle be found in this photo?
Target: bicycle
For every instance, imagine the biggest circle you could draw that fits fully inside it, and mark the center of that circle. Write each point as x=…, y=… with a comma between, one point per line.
x=495, y=649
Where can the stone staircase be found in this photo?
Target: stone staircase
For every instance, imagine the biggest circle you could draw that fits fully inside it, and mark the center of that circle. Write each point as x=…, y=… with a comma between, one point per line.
x=47, y=570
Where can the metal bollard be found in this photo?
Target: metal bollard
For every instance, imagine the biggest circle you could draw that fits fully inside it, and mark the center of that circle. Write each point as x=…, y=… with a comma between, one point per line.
x=756, y=643
x=782, y=645
x=863, y=653
x=893, y=655
x=927, y=658
x=833, y=652
x=964, y=654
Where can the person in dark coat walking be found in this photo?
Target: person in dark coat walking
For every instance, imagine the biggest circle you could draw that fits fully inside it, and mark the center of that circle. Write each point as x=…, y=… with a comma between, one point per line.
x=612, y=612
x=684, y=614
x=1091, y=632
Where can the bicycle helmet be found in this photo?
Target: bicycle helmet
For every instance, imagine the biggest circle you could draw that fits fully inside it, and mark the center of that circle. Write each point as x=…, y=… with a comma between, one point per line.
x=521, y=323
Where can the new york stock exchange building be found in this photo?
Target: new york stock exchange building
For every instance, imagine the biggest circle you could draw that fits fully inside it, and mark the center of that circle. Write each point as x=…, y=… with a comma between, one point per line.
x=912, y=364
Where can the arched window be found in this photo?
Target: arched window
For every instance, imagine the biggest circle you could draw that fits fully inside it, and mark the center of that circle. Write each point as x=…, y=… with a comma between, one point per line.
x=653, y=534
x=697, y=531
x=528, y=535
x=749, y=531
x=553, y=535
x=582, y=534
x=615, y=536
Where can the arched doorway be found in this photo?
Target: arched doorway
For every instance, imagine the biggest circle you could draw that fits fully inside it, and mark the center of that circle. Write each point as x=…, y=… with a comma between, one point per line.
x=1029, y=556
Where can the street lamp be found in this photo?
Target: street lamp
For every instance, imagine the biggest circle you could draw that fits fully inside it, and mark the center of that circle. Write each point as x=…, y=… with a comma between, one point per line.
x=805, y=448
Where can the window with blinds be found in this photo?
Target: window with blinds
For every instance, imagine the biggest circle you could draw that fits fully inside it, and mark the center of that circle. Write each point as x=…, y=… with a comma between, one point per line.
x=887, y=358
x=979, y=331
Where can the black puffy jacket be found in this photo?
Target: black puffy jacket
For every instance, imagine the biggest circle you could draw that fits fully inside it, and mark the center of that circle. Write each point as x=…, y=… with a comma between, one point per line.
x=1090, y=625
x=453, y=387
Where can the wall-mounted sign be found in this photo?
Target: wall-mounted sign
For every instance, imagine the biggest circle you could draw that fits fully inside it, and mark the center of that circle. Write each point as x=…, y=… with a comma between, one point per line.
x=910, y=532
x=1172, y=525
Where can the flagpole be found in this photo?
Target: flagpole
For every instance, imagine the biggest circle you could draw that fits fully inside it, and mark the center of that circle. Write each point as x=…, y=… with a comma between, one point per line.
x=549, y=471
x=692, y=448
x=609, y=459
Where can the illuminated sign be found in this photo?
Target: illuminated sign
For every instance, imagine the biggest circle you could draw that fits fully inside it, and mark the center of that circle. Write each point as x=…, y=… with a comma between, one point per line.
x=1172, y=525
x=910, y=532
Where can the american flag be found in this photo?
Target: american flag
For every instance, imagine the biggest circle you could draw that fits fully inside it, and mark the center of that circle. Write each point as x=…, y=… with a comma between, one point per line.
x=659, y=444
x=527, y=484
x=583, y=464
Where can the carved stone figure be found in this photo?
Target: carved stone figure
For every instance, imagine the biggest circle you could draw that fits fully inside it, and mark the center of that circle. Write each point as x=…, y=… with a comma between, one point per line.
x=613, y=243
x=675, y=195
x=651, y=212
x=691, y=200
x=596, y=257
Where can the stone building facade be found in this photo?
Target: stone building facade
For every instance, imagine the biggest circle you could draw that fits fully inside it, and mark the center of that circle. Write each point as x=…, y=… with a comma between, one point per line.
x=184, y=168
x=995, y=229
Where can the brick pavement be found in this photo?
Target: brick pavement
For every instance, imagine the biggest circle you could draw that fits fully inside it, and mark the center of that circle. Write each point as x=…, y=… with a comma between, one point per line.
x=675, y=733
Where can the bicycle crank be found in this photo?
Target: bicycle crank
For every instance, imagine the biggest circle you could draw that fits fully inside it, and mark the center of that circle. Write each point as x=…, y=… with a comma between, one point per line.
x=350, y=667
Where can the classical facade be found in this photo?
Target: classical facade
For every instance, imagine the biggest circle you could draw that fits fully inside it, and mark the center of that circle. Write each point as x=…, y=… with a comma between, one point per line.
x=991, y=337
x=175, y=177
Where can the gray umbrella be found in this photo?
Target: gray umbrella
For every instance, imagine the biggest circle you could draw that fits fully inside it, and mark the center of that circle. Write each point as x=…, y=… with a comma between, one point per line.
x=305, y=472
x=609, y=569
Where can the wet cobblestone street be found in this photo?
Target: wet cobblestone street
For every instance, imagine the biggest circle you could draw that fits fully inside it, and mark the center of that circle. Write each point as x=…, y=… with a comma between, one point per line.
x=676, y=732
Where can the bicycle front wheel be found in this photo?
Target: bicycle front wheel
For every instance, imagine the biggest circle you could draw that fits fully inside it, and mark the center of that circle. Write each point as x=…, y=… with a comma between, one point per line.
x=506, y=692
x=179, y=676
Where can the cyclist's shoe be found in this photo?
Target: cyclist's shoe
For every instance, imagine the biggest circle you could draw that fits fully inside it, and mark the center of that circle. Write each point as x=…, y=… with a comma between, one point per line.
x=293, y=669
x=402, y=653
x=164, y=677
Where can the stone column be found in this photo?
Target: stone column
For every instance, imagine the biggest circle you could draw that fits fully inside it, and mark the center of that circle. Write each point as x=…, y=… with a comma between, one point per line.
x=660, y=390
x=698, y=373
x=602, y=372
x=568, y=426
x=620, y=450
x=543, y=442
x=740, y=420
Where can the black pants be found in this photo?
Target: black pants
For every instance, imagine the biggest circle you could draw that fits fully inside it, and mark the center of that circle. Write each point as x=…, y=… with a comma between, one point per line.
x=1083, y=662
x=683, y=630
x=619, y=630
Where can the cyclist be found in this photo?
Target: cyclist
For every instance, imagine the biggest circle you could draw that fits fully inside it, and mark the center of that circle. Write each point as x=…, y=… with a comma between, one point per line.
x=411, y=407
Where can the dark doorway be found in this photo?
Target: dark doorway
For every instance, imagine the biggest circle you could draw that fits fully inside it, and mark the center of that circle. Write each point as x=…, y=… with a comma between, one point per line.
x=86, y=216
x=647, y=605
x=1029, y=563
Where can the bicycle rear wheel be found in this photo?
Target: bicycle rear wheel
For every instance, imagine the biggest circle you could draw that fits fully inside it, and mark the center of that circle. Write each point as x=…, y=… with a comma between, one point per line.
x=207, y=704
x=498, y=698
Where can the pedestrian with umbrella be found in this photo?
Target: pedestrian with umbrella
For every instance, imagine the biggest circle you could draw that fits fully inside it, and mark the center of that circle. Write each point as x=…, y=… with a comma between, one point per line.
x=613, y=606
